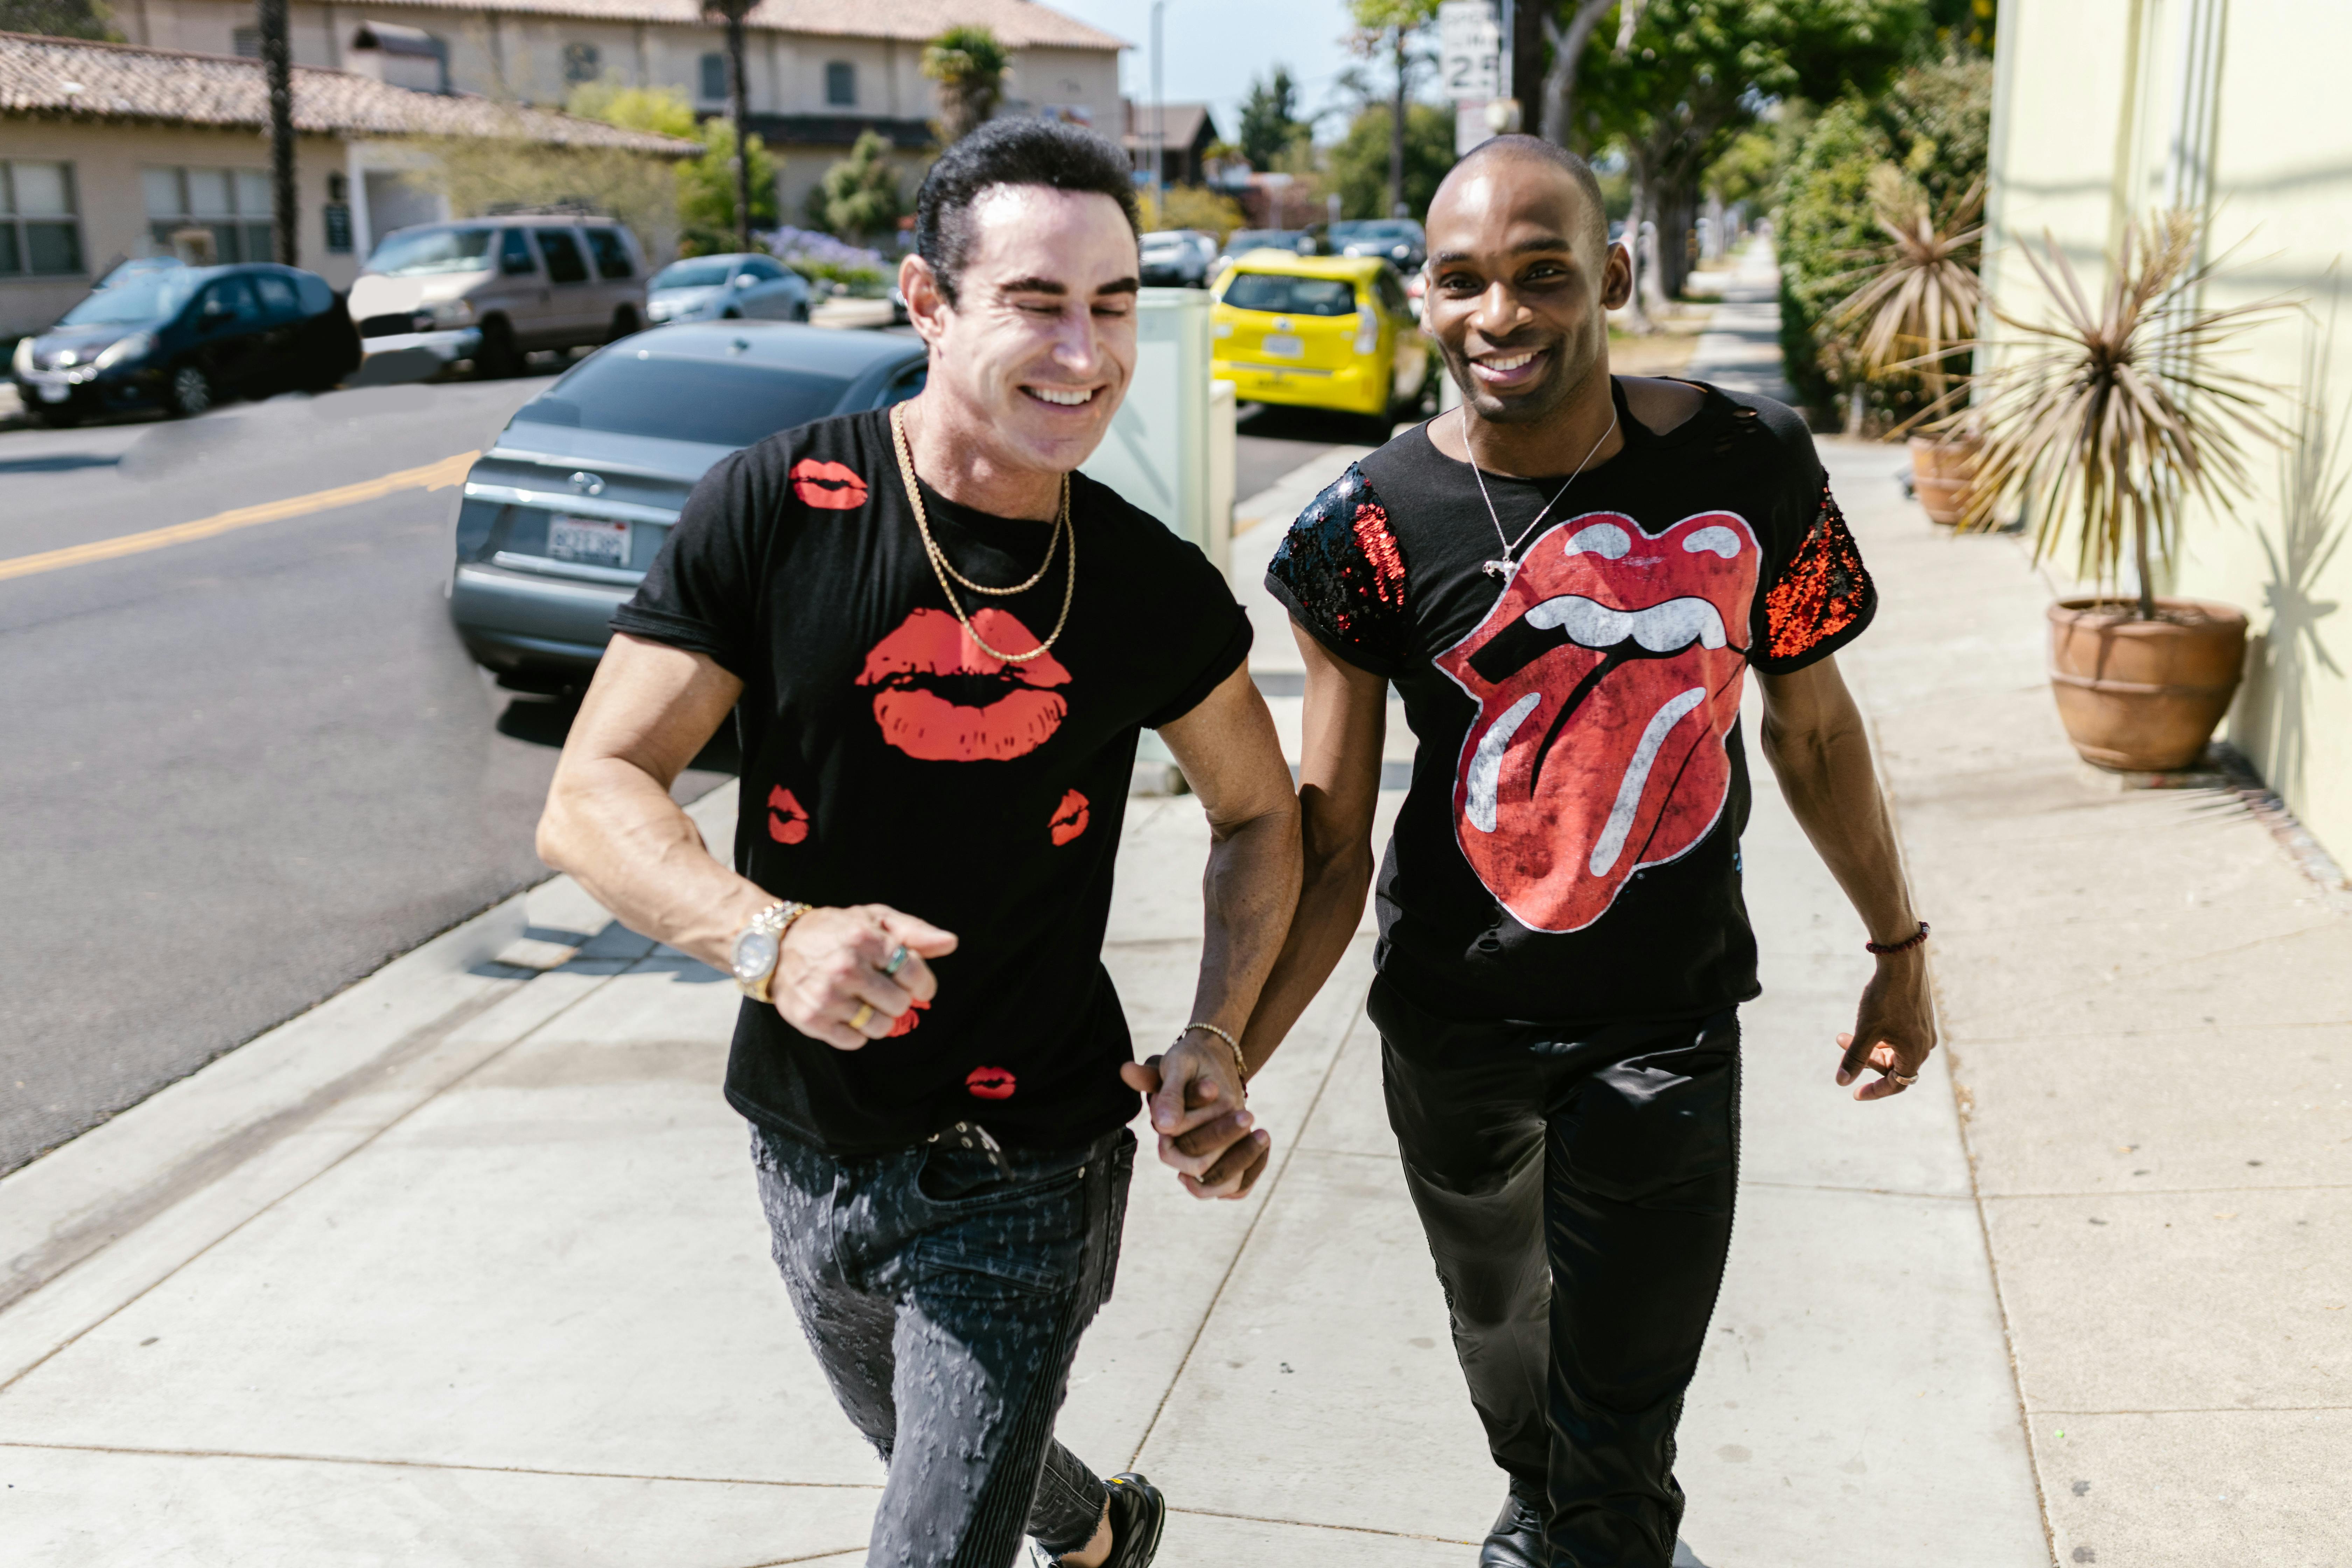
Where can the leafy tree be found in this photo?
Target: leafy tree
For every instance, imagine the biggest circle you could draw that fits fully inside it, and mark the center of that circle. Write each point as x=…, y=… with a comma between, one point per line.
x=91, y=19
x=707, y=190
x=1359, y=162
x=859, y=196
x=969, y=64
x=661, y=111
x=1193, y=206
x=1391, y=24
x=1270, y=122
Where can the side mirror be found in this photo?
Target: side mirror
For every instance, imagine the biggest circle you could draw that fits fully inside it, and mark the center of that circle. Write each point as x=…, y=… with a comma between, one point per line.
x=744, y=280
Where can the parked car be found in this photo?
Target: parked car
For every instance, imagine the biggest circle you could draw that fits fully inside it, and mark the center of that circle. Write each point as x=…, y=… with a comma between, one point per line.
x=182, y=339
x=492, y=291
x=1318, y=332
x=1399, y=239
x=1178, y=258
x=1297, y=241
x=726, y=287
x=562, y=515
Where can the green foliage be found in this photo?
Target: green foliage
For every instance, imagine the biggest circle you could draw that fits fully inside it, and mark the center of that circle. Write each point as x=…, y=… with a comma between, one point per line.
x=91, y=19
x=969, y=64
x=706, y=191
x=1933, y=125
x=860, y=196
x=1193, y=206
x=1358, y=166
x=661, y=111
x=480, y=175
x=1270, y=123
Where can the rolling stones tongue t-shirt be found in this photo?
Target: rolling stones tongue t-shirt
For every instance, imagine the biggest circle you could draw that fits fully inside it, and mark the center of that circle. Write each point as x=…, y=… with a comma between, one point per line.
x=889, y=758
x=1568, y=852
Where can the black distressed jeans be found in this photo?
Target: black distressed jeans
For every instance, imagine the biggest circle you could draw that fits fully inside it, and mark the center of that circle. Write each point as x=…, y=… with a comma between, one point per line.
x=943, y=1288
x=1577, y=1194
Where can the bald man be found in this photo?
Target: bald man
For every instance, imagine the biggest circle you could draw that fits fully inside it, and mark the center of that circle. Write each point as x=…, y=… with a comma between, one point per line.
x=1563, y=945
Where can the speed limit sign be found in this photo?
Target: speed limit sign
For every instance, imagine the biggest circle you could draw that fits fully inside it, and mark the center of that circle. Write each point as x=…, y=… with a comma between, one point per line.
x=1469, y=51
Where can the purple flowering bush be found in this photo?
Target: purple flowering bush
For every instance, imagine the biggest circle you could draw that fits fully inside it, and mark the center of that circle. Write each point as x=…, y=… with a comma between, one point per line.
x=821, y=258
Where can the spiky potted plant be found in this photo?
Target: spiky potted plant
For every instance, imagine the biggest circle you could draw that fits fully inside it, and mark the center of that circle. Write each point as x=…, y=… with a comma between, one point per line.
x=2110, y=420
x=1915, y=307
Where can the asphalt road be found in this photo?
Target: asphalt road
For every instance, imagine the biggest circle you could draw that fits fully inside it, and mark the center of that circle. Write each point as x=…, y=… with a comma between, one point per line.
x=243, y=771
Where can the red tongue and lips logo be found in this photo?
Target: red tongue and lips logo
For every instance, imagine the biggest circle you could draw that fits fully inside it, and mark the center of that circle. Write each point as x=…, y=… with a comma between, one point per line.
x=828, y=487
x=941, y=697
x=1606, y=677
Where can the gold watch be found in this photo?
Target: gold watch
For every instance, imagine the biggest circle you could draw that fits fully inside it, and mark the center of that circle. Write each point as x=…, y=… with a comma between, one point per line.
x=760, y=944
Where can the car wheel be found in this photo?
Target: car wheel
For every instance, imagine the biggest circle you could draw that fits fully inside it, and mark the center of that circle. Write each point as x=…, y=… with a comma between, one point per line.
x=624, y=324
x=191, y=392
x=800, y=312
x=497, y=358
x=730, y=314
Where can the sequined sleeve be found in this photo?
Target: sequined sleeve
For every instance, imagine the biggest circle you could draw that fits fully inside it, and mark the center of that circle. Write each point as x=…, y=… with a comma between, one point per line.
x=1821, y=599
x=1339, y=572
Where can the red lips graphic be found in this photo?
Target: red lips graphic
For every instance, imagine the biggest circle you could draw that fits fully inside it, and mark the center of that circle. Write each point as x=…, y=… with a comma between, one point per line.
x=908, y=1020
x=943, y=699
x=1606, y=677
x=989, y=1083
x=788, y=820
x=1069, y=819
x=829, y=487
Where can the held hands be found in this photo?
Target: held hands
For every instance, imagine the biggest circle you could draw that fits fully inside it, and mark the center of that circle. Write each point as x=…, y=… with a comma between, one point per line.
x=830, y=981
x=1894, y=1030
x=1206, y=1134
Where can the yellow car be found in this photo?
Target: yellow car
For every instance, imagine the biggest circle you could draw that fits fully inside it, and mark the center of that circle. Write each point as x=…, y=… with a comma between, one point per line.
x=1318, y=332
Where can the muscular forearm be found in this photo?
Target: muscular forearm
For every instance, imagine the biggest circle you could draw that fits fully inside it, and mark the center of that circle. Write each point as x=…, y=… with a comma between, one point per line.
x=1250, y=890
x=1831, y=787
x=615, y=829
x=1331, y=905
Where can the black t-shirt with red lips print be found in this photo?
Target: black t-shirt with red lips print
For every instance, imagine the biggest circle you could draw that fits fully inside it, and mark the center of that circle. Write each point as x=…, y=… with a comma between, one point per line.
x=888, y=759
x=1569, y=851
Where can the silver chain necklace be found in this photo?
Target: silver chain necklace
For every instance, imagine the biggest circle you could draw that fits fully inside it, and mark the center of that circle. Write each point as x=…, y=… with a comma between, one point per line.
x=1501, y=567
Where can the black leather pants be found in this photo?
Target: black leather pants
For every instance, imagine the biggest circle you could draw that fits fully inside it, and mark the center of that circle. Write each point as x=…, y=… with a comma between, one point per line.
x=1577, y=1199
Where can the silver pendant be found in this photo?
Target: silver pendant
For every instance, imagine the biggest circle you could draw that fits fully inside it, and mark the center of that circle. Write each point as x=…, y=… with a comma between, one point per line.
x=1497, y=568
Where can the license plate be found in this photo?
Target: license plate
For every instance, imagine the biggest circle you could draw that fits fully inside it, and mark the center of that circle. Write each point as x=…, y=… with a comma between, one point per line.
x=1282, y=346
x=52, y=392
x=589, y=540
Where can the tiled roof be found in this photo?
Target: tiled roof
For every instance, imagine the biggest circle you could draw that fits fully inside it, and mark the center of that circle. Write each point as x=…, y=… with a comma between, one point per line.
x=1017, y=23
x=68, y=78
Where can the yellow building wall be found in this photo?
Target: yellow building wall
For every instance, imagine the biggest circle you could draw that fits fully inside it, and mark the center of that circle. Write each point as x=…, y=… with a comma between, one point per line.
x=2089, y=118
x=106, y=162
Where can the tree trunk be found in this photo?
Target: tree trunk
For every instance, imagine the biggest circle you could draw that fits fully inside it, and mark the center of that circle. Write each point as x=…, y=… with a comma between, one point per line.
x=1677, y=204
x=1396, y=133
x=738, y=103
x=277, y=68
x=1560, y=83
x=1528, y=18
x=1637, y=318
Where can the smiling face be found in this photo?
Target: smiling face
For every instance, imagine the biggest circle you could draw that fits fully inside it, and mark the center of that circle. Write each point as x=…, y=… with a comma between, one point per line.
x=1030, y=360
x=1518, y=288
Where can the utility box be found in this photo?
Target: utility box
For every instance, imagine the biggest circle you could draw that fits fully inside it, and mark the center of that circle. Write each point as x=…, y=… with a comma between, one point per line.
x=1170, y=450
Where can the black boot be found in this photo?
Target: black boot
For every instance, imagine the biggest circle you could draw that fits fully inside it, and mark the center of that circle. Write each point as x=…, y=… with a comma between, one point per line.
x=1517, y=1539
x=1138, y=1513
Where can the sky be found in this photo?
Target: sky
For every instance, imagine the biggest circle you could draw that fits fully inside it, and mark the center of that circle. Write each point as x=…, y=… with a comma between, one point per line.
x=1215, y=47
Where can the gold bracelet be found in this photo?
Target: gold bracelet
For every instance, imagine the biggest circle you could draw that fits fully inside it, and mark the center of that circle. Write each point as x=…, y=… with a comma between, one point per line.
x=1241, y=1062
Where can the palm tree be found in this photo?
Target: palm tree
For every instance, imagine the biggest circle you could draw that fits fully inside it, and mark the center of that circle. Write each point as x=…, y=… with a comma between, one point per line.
x=732, y=13
x=969, y=64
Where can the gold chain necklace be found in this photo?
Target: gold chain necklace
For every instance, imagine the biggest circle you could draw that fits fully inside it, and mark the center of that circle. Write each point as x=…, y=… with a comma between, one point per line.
x=947, y=575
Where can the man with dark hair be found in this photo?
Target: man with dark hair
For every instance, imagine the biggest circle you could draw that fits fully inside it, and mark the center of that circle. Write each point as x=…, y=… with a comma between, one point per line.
x=937, y=724
x=1567, y=582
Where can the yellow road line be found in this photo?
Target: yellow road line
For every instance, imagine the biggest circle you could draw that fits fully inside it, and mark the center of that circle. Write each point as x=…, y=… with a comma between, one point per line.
x=431, y=477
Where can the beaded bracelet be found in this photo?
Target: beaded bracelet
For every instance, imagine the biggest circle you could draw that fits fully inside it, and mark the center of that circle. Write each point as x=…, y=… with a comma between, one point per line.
x=1916, y=939
x=1241, y=1062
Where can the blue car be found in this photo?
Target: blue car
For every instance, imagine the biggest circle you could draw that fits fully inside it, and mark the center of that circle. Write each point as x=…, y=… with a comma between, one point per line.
x=182, y=339
x=562, y=515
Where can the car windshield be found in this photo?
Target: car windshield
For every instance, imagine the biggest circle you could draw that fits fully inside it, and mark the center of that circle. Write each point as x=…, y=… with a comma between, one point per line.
x=1290, y=296
x=716, y=404
x=433, y=250
x=695, y=274
x=155, y=297
x=1372, y=228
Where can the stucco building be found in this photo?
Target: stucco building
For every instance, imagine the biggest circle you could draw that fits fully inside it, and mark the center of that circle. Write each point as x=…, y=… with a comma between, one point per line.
x=2106, y=110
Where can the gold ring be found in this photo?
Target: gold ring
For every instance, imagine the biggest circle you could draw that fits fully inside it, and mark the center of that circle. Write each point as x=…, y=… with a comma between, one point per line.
x=1902, y=1082
x=863, y=1017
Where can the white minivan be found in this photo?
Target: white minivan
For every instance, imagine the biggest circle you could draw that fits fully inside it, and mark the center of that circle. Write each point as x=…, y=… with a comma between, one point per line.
x=490, y=290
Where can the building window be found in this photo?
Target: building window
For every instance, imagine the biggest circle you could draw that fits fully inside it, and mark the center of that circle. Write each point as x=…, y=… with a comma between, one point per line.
x=208, y=217
x=580, y=63
x=714, y=78
x=245, y=42
x=841, y=84
x=38, y=236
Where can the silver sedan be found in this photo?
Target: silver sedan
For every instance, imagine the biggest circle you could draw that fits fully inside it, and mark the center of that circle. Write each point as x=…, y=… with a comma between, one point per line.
x=725, y=288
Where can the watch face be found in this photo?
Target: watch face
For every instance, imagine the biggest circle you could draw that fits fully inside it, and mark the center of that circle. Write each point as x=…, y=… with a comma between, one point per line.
x=755, y=955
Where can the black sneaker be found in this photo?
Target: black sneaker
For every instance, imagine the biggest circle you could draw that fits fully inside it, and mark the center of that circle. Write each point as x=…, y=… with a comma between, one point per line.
x=1138, y=1513
x=1517, y=1539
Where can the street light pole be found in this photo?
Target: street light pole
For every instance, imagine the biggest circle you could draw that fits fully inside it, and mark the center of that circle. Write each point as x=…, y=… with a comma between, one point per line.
x=1158, y=125
x=278, y=68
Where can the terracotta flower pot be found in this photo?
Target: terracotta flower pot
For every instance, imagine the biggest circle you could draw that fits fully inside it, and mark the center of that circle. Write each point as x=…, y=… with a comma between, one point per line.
x=2144, y=695
x=1940, y=477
